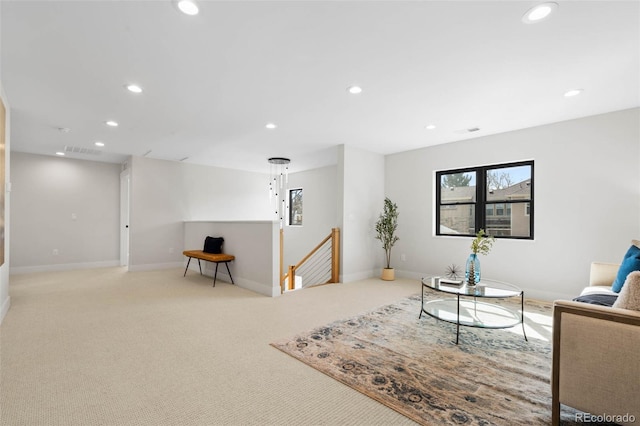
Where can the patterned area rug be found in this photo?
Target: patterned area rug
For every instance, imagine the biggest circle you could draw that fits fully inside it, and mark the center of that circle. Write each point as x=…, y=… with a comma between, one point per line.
x=412, y=365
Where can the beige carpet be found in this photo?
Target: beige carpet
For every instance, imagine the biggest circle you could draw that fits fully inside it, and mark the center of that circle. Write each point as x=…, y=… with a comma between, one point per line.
x=493, y=377
x=109, y=347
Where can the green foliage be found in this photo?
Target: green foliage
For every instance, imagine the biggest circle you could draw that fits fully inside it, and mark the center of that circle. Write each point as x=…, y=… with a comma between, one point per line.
x=386, y=227
x=482, y=243
x=455, y=180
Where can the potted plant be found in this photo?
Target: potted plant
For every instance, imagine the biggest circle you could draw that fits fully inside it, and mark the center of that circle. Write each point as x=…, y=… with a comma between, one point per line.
x=481, y=244
x=386, y=232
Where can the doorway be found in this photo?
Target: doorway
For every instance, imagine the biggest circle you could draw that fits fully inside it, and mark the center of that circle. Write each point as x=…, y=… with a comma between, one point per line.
x=125, y=187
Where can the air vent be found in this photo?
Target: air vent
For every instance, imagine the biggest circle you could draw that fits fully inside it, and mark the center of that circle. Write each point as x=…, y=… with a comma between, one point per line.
x=82, y=150
x=469, y=130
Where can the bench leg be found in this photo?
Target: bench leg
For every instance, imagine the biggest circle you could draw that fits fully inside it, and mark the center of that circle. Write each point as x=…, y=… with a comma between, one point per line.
x=185, y=269
x=216, y=274
x=200, y=266
x=227, y=265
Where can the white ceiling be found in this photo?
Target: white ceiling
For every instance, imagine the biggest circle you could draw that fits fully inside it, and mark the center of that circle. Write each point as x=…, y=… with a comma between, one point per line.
x=212, y=81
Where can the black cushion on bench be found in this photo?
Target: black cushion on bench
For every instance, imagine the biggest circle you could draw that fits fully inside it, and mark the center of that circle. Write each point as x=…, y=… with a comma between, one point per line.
x=597, y=299
x=213, y=245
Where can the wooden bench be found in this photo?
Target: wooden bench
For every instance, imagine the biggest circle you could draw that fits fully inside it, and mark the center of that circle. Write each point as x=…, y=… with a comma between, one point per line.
x=209, y=257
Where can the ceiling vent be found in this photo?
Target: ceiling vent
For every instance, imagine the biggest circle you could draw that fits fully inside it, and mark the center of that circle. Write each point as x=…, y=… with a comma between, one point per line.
x=82, y=150
x=469, y=130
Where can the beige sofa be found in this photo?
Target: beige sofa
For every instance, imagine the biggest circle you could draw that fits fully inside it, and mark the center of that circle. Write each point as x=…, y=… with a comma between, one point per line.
x=596, y=356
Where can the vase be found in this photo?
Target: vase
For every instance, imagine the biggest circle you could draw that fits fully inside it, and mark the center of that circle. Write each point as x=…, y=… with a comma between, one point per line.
x=472, y=271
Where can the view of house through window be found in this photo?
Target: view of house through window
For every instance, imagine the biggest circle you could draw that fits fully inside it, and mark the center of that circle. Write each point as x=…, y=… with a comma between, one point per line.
x=502, y=204
x=295, y=207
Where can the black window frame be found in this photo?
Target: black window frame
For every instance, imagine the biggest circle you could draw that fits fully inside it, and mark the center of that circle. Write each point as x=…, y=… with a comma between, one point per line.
x=480, y=203
x=290, y=201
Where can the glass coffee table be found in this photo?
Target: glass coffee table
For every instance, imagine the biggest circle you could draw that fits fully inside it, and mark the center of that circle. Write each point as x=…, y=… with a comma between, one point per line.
x=461, y=304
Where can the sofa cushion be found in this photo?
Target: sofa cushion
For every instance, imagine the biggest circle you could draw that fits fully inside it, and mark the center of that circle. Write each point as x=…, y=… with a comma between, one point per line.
x=629, y=297
x=598, y=299
x=630, y=263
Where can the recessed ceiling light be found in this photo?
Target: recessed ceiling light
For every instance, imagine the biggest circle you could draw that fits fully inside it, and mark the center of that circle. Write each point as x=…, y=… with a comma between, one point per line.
x=99, y=144
x=111, y=123
x=573, y=92
x=134, y=88
x=539, y=12
x=188, y=7
x=270, y=126
x=430, y=126
x=60, y=153
x=354, y=90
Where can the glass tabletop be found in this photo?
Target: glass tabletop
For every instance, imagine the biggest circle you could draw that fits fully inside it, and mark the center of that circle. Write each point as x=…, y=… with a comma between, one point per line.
x=485, y=288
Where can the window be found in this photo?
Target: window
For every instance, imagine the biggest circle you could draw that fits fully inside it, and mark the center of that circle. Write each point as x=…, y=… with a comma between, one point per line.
x=295, y=207
x=502, y=204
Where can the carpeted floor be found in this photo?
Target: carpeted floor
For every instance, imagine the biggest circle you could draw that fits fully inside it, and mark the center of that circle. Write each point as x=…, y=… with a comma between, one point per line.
x=493, y=377
x=116, y=348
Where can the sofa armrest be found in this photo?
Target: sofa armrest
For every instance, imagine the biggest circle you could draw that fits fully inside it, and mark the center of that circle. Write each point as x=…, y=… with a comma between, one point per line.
x=596, y=360
x=603, y=274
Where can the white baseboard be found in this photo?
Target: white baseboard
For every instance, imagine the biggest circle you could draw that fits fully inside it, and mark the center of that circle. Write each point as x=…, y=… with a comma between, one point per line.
x=546, y=296
x=528, y=293
x=257, y=287
x=62, y=267
x=155, y=266
x=358, y=276
x=208, y=270
x=5, y=308
x=411, y=275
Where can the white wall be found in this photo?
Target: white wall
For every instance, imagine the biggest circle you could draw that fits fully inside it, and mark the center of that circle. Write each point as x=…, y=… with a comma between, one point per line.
x=255, y=246
x=587, y=202
x=362, y=175
x=164, y=194
x=5, y=299
x=46, y=192
x=319, y=210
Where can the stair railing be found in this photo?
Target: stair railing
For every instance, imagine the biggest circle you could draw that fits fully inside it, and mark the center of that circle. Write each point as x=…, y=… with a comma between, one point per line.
x=321, y=265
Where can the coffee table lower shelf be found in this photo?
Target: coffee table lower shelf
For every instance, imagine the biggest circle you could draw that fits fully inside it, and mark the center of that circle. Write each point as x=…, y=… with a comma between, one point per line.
x=473, y=313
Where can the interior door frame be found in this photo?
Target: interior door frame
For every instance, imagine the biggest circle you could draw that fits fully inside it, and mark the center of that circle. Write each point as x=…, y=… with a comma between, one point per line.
x=125, y=188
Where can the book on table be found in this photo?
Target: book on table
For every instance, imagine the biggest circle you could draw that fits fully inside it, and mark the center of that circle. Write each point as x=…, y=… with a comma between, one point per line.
x=451, y=283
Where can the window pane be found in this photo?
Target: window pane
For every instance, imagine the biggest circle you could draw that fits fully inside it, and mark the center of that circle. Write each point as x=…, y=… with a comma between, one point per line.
x=515, y=223
x=458, y=219
x=502, y=205
x=458, y=187
x=509, y=183
x=295, y=207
